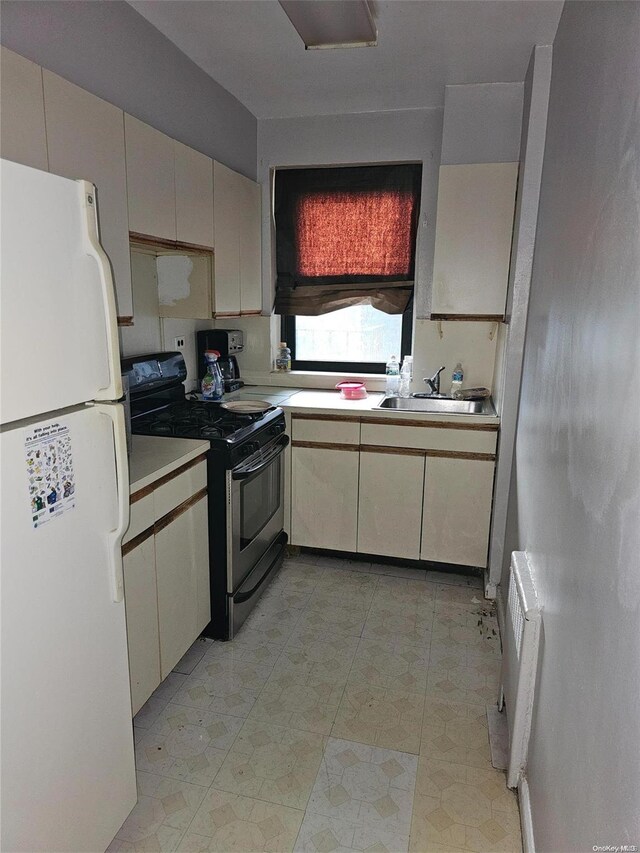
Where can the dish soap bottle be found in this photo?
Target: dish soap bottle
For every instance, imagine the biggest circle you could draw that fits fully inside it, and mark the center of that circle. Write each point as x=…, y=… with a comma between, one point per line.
x=212, y=384
x=406, y=375
x=283, y=359
x=393, y=377
x=456, y=382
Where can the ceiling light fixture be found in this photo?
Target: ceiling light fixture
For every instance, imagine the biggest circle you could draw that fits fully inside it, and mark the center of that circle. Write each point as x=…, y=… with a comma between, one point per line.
x=325, y=24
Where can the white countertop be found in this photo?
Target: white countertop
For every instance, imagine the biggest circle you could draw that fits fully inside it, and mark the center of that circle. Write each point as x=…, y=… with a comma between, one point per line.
x=330, y=402
x=154, y=456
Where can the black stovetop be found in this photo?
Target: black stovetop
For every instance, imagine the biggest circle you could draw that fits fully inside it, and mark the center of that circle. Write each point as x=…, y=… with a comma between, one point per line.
x=196, y=419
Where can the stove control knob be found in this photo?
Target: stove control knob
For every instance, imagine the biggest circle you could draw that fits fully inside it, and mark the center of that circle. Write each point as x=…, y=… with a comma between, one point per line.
x=276, y=429
x=249, y=448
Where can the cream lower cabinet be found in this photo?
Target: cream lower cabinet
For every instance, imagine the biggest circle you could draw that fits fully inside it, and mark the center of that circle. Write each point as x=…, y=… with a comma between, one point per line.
x=324, y=497
x=142, y=621
x=390, y=503
x=182, y=572
x=166, y=576
x=413, y=489
x=457, y=510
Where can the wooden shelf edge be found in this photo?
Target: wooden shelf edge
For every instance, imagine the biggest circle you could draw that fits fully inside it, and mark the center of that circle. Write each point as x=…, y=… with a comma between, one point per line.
x=470, y=318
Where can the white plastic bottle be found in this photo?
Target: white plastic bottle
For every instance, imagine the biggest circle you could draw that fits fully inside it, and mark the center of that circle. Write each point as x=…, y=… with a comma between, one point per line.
x=393, y=377
x=406, y=375
x=456, y=382
x=283, y=359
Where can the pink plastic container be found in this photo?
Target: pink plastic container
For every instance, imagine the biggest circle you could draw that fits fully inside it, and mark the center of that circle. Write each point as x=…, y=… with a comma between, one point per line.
x=352, y=390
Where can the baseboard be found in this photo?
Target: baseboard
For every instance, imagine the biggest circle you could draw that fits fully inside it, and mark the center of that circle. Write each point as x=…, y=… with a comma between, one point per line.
x=526, y=820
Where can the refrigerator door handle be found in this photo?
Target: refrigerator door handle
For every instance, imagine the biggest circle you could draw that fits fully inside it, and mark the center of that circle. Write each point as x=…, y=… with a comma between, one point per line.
x=116, y=413
x=94, y=248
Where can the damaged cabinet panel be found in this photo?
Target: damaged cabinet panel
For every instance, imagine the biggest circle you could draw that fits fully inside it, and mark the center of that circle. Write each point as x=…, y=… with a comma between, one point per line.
x=185, y=285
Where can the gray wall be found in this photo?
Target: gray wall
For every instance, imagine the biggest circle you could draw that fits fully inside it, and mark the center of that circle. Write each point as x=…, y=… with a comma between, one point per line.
x=482, y=123
x=575, y=500
x=112, y=51
x=508, y=375
x=396, y=136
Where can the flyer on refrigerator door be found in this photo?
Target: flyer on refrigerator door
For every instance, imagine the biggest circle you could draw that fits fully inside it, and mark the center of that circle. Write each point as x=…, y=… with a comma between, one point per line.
x=49, y=461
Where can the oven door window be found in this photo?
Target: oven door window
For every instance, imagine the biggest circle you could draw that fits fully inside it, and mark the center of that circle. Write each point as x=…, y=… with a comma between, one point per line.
x=259, y=501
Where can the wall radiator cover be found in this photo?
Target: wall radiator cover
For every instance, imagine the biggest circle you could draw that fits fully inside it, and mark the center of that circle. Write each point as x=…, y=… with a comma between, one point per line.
x=519, y=662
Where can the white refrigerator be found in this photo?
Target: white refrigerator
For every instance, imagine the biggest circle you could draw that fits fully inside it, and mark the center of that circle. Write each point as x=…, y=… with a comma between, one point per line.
x=67, y=774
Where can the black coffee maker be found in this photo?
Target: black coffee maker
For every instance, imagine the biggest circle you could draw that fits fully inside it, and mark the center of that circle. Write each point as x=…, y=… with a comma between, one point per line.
x=228, y=342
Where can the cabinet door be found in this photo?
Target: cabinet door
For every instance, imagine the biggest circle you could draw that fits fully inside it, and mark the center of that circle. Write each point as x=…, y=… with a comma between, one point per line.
x=474, y=225
x=182, y=570
x=390, y=504
x=194, y=196
x=324, y=497
x=150, y=180
x=22, y=129
x=227, y=217
x=250, y=245
x=85, y=139
x=142, y=622
x=457, y=511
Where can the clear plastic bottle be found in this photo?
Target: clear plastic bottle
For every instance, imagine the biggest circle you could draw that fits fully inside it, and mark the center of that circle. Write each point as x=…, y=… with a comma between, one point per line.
x=456, y=382
x=212, y=383
x=406, y=375
x=283, y=359
x=393, y=377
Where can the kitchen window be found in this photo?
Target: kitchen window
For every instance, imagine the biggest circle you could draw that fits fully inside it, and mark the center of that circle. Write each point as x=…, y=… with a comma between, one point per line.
x=345, y=250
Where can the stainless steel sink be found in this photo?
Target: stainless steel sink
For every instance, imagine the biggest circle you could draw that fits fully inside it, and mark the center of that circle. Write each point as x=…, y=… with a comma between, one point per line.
x=438, y=405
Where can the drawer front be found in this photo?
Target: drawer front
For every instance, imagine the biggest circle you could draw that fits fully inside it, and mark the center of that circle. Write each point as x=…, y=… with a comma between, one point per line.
x=429, y=438
x=167, y=496
x=140, y=517
x=326, y=431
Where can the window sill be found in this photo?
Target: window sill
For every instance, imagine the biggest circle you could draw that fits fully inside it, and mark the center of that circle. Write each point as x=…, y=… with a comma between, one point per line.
x=314, y=379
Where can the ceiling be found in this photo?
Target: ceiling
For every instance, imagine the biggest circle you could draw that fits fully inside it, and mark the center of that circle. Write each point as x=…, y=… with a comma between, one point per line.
x=251, y=48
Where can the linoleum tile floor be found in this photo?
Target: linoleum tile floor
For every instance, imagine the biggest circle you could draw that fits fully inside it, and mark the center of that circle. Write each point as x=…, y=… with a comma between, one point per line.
x=348, y=714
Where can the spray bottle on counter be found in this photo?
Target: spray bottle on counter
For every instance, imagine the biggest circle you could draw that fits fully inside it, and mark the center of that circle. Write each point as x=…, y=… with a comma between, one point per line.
x=212, y=383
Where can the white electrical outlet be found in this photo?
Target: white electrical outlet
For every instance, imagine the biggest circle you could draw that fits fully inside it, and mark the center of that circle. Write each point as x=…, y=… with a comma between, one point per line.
x=178, y=343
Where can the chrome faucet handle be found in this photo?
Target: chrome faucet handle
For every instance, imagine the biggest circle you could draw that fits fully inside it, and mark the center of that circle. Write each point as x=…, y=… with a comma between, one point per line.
x=434, y=381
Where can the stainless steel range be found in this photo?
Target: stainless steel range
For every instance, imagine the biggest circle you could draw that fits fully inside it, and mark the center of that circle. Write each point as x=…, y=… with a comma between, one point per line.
x=245, y=481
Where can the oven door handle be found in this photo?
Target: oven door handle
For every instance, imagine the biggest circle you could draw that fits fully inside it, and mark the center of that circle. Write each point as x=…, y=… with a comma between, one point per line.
x=244, y=473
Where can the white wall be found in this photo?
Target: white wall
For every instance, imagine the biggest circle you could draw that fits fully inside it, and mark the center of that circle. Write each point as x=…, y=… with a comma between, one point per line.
x=575, y=503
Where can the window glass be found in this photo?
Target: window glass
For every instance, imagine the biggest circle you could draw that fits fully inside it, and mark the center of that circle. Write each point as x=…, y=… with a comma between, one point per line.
x=359, y=333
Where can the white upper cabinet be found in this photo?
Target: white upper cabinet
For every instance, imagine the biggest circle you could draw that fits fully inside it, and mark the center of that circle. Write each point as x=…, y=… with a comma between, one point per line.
x=194, y=196
x=22, y=126
x=238, y=288
x=85, y=139
x=226, y=219
x=476, y=204
x=150, y=157
x=250, y=247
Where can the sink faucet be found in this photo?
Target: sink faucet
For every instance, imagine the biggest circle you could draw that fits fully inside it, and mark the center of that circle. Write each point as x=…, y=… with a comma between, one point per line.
x=434, y=381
